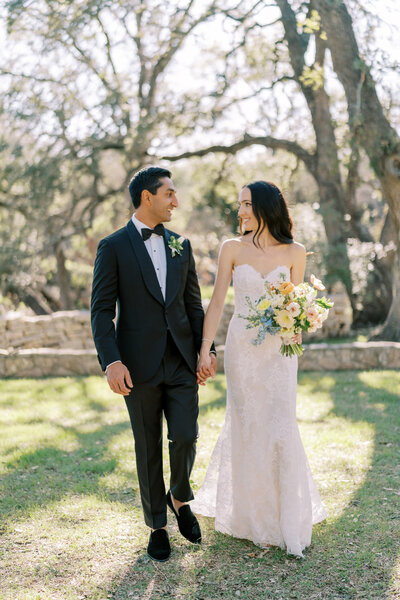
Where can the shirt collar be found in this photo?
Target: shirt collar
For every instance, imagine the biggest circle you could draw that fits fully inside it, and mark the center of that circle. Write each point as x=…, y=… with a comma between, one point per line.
x=138, y=224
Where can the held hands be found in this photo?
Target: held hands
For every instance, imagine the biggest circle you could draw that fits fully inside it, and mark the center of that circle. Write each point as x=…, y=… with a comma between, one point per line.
x=206, y=367
x=119, y=379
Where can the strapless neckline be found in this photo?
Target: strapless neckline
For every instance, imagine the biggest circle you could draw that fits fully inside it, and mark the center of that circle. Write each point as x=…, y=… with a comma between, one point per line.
x=258, y=272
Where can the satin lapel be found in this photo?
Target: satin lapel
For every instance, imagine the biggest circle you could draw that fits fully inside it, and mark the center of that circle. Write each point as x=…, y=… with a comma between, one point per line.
x=144, y=260
x=173, y=271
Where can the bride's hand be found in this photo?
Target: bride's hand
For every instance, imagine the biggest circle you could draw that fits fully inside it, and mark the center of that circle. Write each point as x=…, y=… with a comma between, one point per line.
x=204, y=368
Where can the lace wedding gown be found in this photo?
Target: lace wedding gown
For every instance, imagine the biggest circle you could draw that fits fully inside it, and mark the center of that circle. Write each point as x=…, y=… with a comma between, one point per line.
x=259, y=485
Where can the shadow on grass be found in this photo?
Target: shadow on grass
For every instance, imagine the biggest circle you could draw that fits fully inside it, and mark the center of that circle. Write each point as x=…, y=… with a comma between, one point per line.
x=350, y=557
x=47, y=474
x=347, y=560
x=355, y=555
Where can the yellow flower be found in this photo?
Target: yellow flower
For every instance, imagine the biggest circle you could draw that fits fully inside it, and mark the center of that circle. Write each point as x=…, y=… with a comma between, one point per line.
x=286, y=287
x=264, y=304
x=285, y=319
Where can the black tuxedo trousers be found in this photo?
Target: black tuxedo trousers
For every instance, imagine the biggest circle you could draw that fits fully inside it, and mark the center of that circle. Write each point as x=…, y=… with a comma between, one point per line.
x=172, y=392
x=158, y=341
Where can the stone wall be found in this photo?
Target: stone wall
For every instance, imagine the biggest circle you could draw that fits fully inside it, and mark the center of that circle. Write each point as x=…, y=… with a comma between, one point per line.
x=61, y=344
x=64, y=329
x=38, y=362
x=71, y=329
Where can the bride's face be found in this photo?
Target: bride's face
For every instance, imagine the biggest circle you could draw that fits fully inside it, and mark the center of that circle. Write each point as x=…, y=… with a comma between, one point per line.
x=249, y=221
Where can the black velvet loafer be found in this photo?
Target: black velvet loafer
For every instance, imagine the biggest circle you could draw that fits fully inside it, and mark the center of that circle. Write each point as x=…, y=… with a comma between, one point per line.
x=187, y=522
x=159, y=548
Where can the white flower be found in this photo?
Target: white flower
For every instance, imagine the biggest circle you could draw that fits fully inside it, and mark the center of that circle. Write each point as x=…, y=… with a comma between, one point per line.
x=175, y=245
x=323, y=313
x=312, y=313
x=310, y=296
x=293, y=308
x=277, y=300
x=300, y=291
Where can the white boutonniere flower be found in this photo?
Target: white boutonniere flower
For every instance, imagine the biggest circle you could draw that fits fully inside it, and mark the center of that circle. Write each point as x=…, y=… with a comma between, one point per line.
x=175, y=245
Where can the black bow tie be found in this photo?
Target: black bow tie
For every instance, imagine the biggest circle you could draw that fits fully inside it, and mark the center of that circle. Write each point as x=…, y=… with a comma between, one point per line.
x=158, y=230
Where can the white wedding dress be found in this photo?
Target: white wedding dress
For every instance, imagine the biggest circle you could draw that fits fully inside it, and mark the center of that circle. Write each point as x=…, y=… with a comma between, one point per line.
x=259, y=485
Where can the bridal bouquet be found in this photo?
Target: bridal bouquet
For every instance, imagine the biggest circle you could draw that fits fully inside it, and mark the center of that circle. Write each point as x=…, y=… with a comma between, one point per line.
x=288, y=310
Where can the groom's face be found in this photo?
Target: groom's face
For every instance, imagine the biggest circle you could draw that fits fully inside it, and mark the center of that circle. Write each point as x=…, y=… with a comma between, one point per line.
x=163, y=202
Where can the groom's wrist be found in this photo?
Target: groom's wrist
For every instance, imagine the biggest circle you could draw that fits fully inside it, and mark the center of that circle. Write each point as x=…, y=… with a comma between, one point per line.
x=113, y=363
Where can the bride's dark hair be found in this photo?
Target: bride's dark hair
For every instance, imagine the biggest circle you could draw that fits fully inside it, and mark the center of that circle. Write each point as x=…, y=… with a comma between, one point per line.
x=271, y=210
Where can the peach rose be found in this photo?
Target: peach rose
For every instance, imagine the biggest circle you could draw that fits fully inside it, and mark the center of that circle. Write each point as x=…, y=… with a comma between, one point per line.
x=286, y=287
x=317, y=283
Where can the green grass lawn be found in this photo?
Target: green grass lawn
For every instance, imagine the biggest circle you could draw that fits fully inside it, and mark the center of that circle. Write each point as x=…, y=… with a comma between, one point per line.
x=71, y=524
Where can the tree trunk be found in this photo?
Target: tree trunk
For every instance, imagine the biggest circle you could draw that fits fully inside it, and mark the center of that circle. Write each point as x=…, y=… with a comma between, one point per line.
x=63, y=279
x=378, y=296
x=35, y=301
x=326, y=165
x=391, y=327
x=367, y=122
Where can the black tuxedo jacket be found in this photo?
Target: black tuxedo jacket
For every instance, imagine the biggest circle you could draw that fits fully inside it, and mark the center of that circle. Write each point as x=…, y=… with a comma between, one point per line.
x=124, y=276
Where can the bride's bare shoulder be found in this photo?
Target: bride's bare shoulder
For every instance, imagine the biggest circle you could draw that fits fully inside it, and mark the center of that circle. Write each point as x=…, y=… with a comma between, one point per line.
x=230, y=249
x=297, y=249
x=231, y=245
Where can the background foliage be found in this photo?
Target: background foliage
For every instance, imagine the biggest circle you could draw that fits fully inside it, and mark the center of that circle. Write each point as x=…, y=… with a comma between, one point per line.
x=220, y=92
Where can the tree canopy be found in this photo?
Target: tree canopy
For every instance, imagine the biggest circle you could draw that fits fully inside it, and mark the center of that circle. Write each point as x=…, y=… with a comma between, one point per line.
x=92, y=91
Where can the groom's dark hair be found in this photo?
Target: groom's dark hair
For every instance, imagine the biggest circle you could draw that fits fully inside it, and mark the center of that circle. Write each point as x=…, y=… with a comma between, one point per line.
x=146, y=179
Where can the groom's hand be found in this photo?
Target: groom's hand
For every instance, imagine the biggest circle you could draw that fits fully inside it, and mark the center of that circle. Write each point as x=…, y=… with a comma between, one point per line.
x=119, y=379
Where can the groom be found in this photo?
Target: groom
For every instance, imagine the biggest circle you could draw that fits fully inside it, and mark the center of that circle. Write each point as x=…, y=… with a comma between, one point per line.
x=150, y=356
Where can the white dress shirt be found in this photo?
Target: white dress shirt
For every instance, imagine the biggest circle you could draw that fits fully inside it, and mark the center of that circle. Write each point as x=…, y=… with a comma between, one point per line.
x=156, y=249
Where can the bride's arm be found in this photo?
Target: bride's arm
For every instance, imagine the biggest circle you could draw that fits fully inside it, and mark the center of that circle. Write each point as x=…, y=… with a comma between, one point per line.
x=298, y=263
x=216, y=306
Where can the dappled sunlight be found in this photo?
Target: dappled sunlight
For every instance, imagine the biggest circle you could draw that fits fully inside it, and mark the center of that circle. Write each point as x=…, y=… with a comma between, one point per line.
x=212, y=395
x=27, y=437
x=343, y=469
x=394, y=589
x=324, y=382
x=379, y=406
x=381, y=380
x=75, y=512
x=55, y=540
x=339, y=450
x=120, y=482
x=313, y=407
x=121, y=441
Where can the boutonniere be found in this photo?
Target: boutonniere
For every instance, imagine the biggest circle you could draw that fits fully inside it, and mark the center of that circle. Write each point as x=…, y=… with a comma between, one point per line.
x=175, y=244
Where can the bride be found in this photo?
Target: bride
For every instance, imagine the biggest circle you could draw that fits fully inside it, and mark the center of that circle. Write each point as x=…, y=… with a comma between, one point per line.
x=258, y=485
